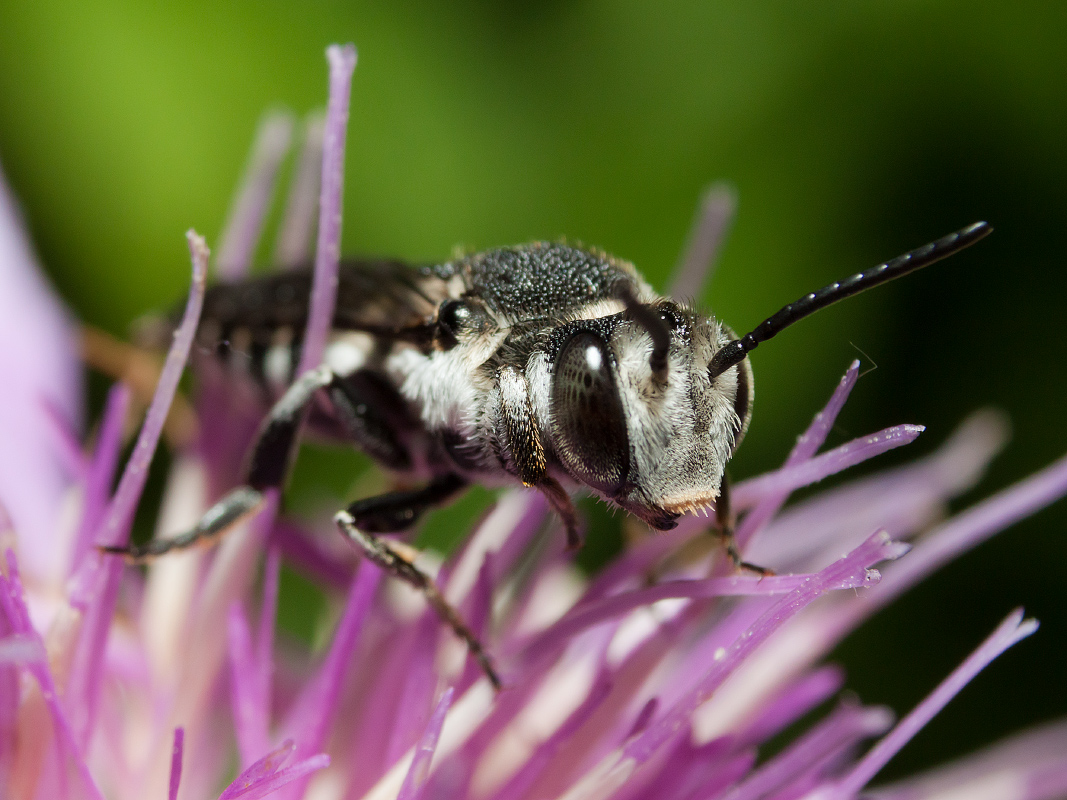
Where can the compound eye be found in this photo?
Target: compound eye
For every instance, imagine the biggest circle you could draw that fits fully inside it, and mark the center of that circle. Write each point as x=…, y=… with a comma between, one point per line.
x=588, y=425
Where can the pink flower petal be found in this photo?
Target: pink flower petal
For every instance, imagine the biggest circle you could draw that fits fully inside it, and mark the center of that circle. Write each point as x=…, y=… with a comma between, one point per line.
x=176, y=763
x=42, y=369
x=1009, y=632
x=706, y=238
x=420, y=764
x=237, y=245
x=327, y=252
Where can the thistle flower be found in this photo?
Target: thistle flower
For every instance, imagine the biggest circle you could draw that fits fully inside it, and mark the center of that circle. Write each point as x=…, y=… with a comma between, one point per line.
x=168, y=683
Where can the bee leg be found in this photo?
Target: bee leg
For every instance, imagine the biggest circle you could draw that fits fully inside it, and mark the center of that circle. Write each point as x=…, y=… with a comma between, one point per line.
x=724, y=523
x=370, y=413
x=362, y=521
x=272, y=454
x=527, y=451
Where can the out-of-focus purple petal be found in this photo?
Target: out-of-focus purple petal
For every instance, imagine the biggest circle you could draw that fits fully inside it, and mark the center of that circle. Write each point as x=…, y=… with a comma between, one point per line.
x=102, y=469
x=748, y=493
x=251, y=667
x=293, y=246
x=1026, y=766
x=974, y=525
x=846, y=727
x=176, y=763
x=328, y=250
x=237, y=244
x=706, y=238
x=327, y=565
x=262, y=767
x=268, y=774
x=317, y=707
x=248, y=712
x=301, y=770
x=1011, y=630
x=793, y=702
x=478, y=613
x=64, y=747
x=415, y=780
x=267, y=616
x=519, y=783
x=41, y=368
x=807, y=445
x=19, y=648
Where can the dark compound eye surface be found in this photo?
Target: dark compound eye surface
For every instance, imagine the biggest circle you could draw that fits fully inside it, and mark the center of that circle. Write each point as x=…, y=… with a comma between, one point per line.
x=588, y=423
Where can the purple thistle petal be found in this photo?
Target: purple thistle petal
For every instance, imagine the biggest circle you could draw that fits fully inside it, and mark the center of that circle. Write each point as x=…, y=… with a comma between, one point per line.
x=64, y=749
x=268, y=613
x=843, y=729
x=706, y=237
x=547, y=645
x=120, y=513
x=293, y=246
x=793, y=702
x=878, y=547
x=902, y=500
x=541, y=758
x=414, y=694
x=327, y=252
x=263, y=767
x=64, y=440
x=1013, y=629
x=807, y=445
x=268, y=774
x=316, y=708
x=300, y=771
x=97, y=582
x=1026, y=766
x=478, y=613
x=20, y=648
x=330, y=566
x=42, y=369
x=687, y=768
x=967, y=529
x=415, y=779
x=240, y=235
x=249, y=714
x=101, y=473
x=748, y=493
x=251, y=668
x=176, y=763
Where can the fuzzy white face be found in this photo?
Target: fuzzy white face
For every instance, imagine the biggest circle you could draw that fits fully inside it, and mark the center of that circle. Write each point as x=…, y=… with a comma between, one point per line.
x=657, y=449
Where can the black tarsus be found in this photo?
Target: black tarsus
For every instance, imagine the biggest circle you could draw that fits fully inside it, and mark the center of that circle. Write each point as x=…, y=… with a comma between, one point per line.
x=724, y=526
x=735, y=352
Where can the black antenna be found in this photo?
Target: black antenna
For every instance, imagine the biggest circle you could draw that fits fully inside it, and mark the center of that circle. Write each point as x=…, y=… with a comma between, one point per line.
x=735, y=351
x=649, y=319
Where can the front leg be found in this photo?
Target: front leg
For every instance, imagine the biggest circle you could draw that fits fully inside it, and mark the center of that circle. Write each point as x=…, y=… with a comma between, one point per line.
x=272, y=454
x=527, y=451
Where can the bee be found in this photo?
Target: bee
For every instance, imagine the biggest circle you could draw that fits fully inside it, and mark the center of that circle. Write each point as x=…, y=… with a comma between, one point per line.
x=547, y=365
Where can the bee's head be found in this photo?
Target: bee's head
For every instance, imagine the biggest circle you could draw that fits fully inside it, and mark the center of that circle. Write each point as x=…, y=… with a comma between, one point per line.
x=647, y=405
x=637, y=416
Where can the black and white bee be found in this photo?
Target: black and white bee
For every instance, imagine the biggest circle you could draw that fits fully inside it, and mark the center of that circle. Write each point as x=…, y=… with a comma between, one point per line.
x=547, y=365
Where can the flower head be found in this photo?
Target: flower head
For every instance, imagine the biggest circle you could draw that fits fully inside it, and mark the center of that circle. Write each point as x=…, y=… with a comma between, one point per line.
x=169, y=683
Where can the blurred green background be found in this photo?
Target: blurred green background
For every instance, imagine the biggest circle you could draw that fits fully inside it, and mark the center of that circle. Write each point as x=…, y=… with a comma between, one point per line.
x=852, y=132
